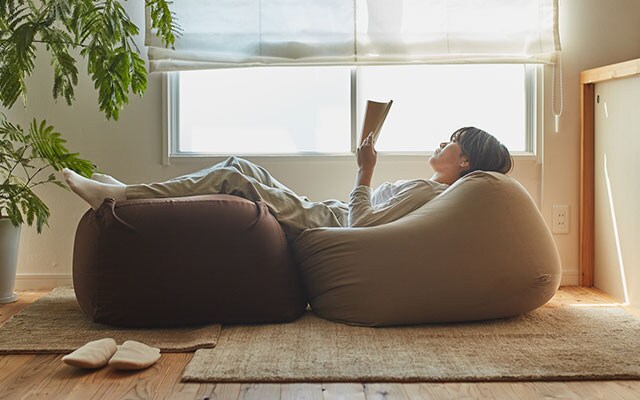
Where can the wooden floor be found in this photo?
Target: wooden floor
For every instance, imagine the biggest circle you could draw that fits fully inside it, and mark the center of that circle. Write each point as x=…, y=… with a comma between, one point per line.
x=46, y=377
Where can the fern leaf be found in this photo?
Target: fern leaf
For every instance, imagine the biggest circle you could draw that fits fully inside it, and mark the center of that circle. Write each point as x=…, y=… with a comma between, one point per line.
x=163, y=20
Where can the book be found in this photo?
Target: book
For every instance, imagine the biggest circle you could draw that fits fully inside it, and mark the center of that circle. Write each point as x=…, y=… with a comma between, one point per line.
x=374, y=117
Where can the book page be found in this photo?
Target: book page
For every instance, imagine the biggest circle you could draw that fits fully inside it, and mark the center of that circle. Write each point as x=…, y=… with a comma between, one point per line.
x=374, y=117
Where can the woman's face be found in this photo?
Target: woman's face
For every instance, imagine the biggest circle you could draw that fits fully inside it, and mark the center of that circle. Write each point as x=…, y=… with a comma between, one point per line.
x=448, y=158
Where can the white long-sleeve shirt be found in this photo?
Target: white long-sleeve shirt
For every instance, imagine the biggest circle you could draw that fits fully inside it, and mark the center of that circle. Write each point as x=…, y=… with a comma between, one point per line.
x=390, y=201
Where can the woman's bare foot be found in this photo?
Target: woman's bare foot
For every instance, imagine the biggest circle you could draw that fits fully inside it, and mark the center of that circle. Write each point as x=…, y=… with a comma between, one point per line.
x=93, y=192
x=104, y=178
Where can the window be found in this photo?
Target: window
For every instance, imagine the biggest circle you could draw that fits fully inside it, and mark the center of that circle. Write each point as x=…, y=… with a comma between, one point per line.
x=280, y=110
x=431, y=102
x=318, y=110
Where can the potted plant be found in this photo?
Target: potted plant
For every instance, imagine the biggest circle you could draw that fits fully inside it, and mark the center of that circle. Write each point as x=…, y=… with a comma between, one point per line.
x=25, y=159
x=99, y=31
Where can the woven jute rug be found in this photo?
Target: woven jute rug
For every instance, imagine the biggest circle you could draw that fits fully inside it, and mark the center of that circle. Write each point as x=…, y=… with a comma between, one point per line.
x=547, y=344
x=55, y=324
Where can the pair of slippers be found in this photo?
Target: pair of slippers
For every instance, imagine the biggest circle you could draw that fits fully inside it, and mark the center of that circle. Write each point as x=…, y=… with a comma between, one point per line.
x=131, y=355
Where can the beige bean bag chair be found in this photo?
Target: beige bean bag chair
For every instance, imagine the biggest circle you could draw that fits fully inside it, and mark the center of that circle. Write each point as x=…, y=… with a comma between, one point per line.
x=480, y=250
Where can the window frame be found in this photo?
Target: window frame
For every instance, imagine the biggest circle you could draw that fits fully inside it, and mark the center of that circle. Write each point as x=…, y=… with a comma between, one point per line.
x=171, y=124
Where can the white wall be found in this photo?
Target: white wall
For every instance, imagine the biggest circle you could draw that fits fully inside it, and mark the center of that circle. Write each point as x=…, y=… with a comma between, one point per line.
x=617, y=192
x=593, y=33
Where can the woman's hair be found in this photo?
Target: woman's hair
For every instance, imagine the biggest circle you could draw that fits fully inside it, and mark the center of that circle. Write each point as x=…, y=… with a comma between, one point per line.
x=485, y=152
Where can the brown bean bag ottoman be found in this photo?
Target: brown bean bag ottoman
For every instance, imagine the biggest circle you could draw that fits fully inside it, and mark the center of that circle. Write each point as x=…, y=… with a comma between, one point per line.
x=183, y=261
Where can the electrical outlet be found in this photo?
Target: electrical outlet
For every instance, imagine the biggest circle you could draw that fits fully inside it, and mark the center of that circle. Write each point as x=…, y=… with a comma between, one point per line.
x=560, y=222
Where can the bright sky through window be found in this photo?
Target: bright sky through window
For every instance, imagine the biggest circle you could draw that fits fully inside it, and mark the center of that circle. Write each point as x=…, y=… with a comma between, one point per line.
x=294, y=110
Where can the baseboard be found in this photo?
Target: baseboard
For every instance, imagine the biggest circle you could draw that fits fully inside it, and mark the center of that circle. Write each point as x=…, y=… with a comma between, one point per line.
x=42, y=281
x=570, y=277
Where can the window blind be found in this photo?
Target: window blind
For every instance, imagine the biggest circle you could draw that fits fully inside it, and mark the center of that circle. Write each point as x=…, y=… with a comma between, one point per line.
x=245, y=33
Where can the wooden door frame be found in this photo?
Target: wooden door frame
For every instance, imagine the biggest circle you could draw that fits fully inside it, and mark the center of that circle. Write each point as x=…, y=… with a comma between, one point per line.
x=588, y=79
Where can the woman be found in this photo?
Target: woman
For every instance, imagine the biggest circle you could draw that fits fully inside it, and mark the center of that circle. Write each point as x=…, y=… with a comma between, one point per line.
x=468, y=149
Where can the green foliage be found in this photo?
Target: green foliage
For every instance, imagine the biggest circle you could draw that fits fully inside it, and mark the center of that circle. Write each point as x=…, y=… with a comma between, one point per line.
x=99, y=31
x=163, y=20
x=31, y=154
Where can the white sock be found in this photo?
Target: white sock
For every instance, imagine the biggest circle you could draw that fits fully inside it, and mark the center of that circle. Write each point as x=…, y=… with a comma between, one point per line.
x=95, y=354
x=134, y=355
x=93, y=192
x=104, y=178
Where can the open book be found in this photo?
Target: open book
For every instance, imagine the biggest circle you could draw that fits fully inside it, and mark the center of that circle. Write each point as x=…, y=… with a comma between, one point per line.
x=374, y=117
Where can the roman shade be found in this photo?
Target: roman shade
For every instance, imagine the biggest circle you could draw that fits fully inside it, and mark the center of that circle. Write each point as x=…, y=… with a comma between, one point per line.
x=244, y=33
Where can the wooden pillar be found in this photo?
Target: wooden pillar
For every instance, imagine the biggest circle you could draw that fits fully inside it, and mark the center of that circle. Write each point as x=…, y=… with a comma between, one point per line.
x=587, y=154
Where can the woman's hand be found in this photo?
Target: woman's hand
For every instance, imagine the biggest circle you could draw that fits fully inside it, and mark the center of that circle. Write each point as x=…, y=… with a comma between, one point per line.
x=367, y=156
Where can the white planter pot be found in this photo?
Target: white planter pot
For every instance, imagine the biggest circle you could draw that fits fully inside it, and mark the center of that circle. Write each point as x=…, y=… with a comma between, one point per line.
x=9, y=241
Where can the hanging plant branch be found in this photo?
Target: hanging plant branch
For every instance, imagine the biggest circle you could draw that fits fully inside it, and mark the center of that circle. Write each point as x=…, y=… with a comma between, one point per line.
x=164, y=21
x=101, y=30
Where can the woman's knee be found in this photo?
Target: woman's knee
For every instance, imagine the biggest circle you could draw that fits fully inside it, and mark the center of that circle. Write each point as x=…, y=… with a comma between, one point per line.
x=235, y=161
x=250, y=169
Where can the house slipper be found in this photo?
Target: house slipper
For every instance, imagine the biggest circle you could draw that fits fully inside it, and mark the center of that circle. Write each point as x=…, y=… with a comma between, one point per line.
x=134, y=355
x=95, y=354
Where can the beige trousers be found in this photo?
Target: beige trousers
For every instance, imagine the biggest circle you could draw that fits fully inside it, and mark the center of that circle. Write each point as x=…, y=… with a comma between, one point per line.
x=239, y=177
